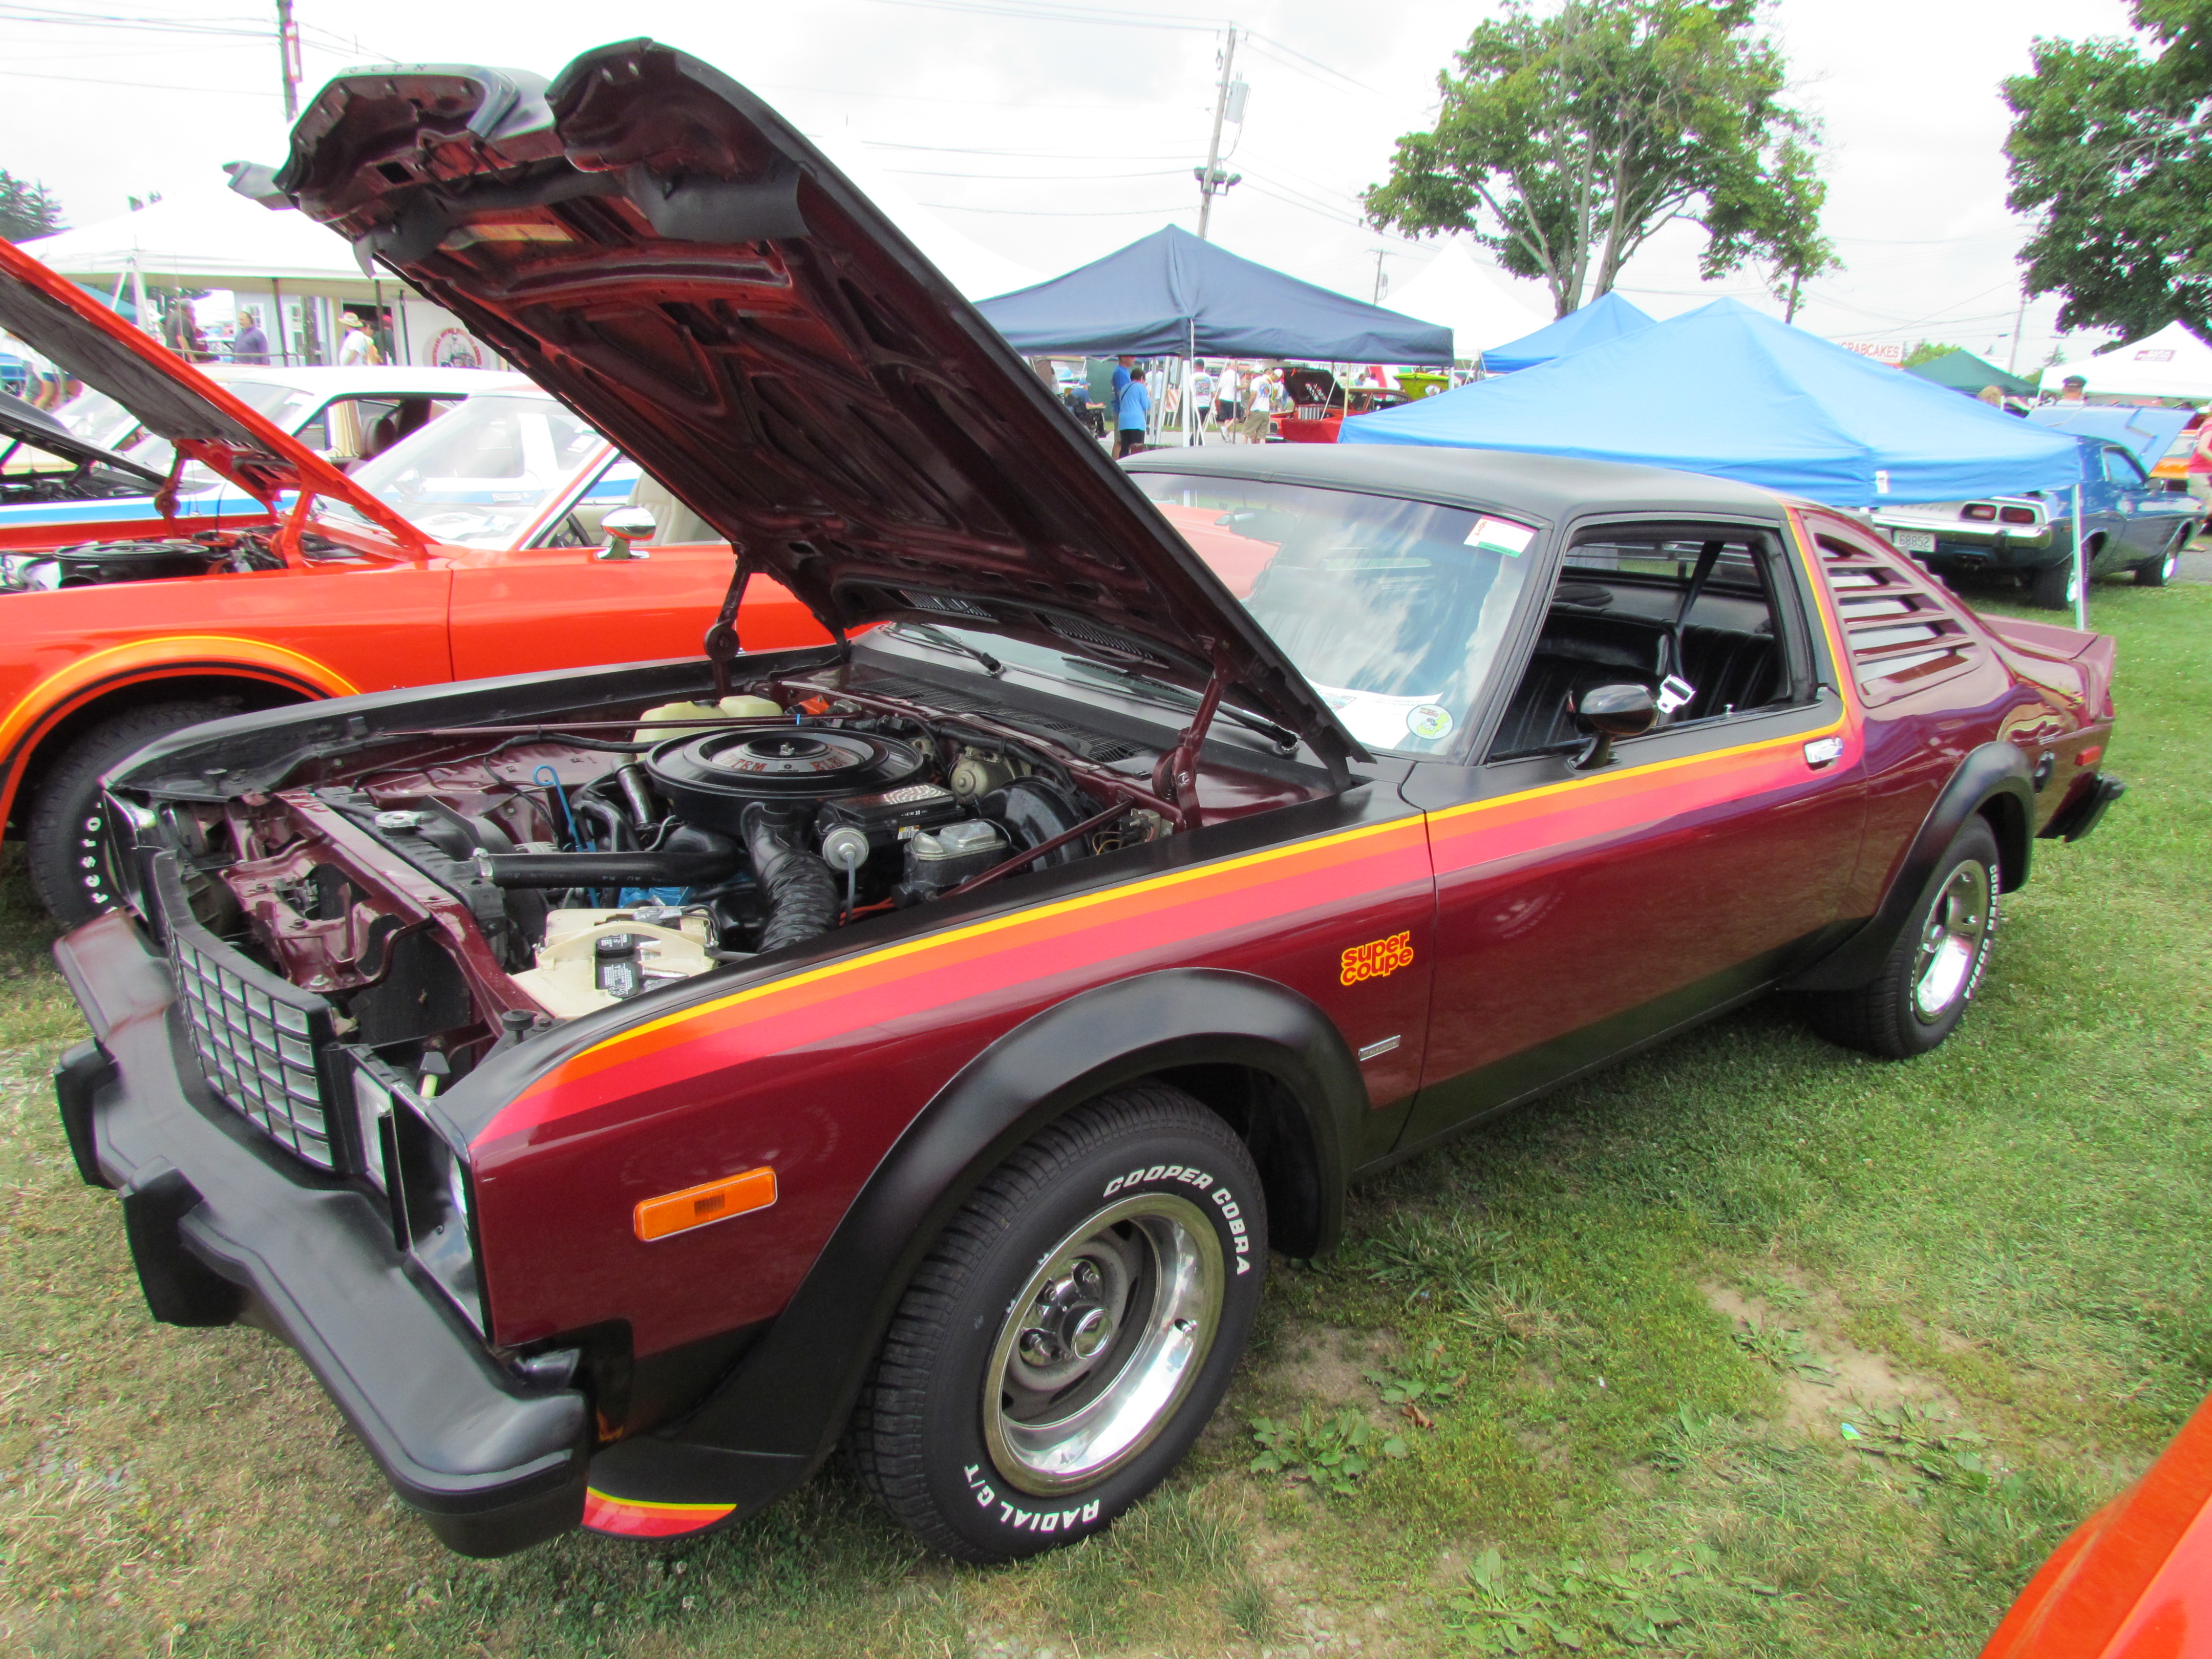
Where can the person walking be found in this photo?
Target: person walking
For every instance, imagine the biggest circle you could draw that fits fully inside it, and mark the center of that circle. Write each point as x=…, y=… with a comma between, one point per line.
x=355, y=349
x=1259, y=408
x=1134, y=413
x=249, y=344
x=1201, y=398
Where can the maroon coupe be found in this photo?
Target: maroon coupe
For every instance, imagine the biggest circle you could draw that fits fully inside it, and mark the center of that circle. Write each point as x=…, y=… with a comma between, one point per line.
x=624, y=1087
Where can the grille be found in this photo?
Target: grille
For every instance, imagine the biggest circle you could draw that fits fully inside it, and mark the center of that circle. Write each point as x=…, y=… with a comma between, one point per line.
x=260, y=1040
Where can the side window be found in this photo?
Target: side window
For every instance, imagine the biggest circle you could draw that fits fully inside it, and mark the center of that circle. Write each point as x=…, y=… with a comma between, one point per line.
x=1687, y=611
x=1899, y=633
x=2120, y=468
x=615, y=486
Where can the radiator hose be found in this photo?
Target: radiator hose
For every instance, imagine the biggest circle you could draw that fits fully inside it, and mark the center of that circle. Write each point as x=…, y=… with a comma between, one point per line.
x=799, y=892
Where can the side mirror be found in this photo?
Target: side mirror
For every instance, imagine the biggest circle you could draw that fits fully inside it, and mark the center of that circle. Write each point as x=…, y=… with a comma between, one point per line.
x=1608, y=712
x=623, y=526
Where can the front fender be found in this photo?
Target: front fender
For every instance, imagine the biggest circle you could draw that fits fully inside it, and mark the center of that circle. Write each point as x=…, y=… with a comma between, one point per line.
x=1994, y=771
x=786, y=1406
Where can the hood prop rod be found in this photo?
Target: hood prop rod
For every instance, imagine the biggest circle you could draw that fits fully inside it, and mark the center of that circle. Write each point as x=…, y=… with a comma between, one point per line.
x=1176, y=777
x=721, y=642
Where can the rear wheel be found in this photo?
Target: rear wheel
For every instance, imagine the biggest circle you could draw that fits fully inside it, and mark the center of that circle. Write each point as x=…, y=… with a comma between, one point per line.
x=2054, y=587
x=1070, y=1332
x=65, y=841
x=1931, y=975
x=2158, y=572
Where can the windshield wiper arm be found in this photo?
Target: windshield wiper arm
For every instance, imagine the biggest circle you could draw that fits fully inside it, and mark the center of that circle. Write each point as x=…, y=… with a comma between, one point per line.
x=930, y=634
x=1183, y=697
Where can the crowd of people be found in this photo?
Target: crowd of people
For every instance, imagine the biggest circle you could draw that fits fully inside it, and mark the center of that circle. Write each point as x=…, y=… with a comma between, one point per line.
x=1236, y=402
x=362, y=338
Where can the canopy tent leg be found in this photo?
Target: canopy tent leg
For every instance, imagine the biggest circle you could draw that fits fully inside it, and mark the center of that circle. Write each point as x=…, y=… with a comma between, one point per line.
x=2080, y=565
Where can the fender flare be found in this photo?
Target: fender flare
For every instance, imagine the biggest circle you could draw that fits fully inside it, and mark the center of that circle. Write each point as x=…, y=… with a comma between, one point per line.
x=785, y=1408
x=1994, y=771
x=35, y=715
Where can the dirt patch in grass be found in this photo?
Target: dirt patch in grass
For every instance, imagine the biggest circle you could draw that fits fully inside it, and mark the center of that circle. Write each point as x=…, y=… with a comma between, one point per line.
x=1820, y=1371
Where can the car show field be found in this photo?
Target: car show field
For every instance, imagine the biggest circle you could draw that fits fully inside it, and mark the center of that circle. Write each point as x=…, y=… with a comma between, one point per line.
x=1619, y=1338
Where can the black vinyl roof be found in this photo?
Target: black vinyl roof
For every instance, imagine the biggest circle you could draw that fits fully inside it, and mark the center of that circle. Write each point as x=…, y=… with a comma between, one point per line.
x=1545, y=488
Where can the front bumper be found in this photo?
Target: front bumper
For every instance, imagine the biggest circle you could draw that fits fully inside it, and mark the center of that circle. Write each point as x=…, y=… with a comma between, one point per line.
x=224, y=1227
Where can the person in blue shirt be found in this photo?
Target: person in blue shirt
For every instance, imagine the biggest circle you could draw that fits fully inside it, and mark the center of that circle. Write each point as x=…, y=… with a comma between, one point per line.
x=1121, y=366
x=1134, y=409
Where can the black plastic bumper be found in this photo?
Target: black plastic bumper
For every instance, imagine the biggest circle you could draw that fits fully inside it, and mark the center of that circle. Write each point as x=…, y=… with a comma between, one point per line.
x=224, y=1227
x=2082, y=814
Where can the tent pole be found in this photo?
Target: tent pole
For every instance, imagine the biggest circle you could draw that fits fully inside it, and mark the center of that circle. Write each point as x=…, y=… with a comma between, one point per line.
x=2080, y=565
x=277, y=317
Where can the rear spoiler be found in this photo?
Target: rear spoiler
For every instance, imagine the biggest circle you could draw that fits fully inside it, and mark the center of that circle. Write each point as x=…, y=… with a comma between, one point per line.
x=2093, y=654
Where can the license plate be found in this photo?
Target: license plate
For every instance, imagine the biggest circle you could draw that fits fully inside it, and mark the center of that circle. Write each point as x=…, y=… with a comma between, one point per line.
x=1914, y=541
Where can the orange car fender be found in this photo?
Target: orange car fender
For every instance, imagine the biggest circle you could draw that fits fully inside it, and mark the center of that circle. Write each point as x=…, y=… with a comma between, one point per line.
x=98, y=674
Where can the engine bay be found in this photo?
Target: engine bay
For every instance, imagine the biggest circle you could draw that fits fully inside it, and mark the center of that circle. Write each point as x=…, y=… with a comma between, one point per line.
x=97, y=564
x=503, y=879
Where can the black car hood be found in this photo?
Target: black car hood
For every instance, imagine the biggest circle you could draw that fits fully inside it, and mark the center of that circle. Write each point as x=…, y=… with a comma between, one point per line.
x=22, y=422
x=661, y=251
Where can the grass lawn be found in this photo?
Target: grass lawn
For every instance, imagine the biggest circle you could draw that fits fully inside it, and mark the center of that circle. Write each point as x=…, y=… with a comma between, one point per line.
x=1751, y=1346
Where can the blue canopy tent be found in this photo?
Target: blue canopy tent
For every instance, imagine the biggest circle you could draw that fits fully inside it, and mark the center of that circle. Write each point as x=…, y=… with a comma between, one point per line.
x=1728, y=391
x=1172, y=295
x=1608, y=316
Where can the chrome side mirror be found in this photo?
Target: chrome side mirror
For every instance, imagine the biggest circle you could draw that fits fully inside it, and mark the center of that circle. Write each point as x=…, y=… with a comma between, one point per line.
x=623, y=526
x=1608, y=712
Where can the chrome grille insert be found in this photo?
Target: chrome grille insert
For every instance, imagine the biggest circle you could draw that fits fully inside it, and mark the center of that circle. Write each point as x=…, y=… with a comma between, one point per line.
x=260, y=1040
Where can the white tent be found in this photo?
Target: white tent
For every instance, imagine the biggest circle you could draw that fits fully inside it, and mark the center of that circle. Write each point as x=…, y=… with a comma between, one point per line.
x=2171, y=364
x=1478, y=307
x=210, y=238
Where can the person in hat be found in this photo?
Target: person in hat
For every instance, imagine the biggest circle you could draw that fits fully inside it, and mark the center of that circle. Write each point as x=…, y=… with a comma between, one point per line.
x=2071, y=389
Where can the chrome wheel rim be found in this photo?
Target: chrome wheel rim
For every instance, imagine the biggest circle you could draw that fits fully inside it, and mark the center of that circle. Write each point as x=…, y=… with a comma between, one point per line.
x=1951, y=944
x=1103, y=1343
x=2171, y=563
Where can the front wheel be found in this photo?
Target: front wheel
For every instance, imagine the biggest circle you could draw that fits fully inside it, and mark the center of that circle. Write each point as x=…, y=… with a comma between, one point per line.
x=66, y=839
x=1921, y=994
x=1070, y=1332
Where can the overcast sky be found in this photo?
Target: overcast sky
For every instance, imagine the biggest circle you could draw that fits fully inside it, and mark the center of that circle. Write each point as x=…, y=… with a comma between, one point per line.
x=1054, y=133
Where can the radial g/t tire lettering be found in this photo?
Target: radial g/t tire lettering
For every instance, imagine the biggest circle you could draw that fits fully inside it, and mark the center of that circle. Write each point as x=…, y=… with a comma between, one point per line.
x=1071, y=1330
x=63, y=844
x=1931, y=972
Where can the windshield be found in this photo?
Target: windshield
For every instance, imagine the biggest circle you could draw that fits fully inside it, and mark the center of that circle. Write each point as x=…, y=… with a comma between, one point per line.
x=282, y=406
x=479, y=476
x=1394, y=610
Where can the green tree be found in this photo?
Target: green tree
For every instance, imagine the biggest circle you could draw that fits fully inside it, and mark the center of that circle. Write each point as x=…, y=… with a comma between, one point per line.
x=1927, y=351
x=26, y=209
x=2111, y=148
x=1567, y=140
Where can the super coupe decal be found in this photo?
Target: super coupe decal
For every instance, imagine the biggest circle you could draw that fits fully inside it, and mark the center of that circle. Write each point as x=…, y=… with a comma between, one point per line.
x=1379, y=960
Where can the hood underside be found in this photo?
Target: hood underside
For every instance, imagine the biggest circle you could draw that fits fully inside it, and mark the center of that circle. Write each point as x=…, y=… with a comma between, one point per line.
x=170, y=397
x=660, y=250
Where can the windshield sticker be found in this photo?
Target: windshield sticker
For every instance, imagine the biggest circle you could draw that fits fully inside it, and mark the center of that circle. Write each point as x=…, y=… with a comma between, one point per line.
x=1428, y=720
x=1501, y=536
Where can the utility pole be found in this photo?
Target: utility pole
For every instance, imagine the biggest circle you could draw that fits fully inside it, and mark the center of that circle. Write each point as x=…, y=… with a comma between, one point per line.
x=1379, y=283
x=288, y=56
x=1212, y=180
x=2019, y=320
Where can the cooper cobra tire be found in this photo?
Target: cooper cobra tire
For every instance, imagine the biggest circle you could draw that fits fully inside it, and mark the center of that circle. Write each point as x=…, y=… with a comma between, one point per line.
x=2053, y=587
x=65, y=841
x=1071, y=1330
x=1931, y=973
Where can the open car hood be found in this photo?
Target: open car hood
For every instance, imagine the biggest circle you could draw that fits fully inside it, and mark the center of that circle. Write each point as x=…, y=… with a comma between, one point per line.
x=660, y=249
x=170, y=397
x=28, y=424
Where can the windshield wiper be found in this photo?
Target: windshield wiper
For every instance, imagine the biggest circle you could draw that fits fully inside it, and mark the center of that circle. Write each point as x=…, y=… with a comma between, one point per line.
x=1178, y=696
x=930, y=634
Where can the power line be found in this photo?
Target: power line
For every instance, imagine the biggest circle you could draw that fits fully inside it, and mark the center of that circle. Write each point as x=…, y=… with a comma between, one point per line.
x=1029, y=155
x=1150, y=20
x=146, y=86
x=1061, y=213
x=1035, y=177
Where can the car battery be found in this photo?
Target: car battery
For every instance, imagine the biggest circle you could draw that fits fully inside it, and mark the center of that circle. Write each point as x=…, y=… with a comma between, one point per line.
x=888, y=818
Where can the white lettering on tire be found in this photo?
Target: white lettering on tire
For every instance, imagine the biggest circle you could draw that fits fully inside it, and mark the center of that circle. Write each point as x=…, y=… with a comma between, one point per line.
x=1189, y=1177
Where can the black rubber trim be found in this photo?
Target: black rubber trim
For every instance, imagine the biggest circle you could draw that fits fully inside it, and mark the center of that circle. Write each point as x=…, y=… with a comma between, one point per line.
x=1992, y=770
x=2085, y=811
x=77, y=1074
x=223, y=1225
x=784, y=1409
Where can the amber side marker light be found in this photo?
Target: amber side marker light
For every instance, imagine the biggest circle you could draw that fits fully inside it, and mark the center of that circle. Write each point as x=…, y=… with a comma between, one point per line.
x=696, y=1207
